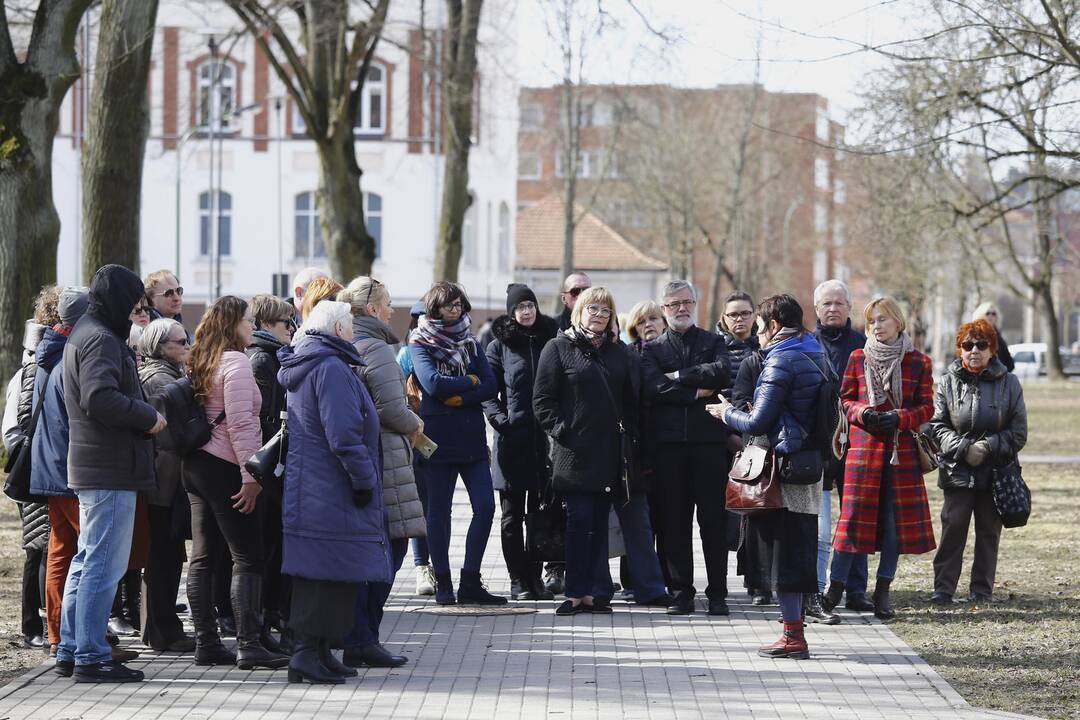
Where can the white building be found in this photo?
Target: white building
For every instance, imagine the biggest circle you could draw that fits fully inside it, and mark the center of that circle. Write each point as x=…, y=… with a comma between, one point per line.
x=269, y=169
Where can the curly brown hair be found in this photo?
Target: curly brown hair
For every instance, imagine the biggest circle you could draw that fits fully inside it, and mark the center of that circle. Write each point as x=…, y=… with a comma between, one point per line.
x=215, y=334
x=45, y=306
x=977, y=330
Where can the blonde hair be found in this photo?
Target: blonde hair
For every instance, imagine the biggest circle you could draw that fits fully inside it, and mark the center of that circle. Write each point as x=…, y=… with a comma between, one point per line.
x=158, y=277
x=641, y=312
x=595, y=296
x=321, y=288
x=267, y=309
x=889, y=306
x=364, y=291
x=980, y=312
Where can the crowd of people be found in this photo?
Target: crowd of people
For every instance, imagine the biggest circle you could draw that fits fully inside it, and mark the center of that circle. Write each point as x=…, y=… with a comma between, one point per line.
x=609, y=433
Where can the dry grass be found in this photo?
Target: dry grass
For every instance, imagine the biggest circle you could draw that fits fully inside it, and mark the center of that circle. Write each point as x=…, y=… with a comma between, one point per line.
x=1053, y=418
x=14, y=659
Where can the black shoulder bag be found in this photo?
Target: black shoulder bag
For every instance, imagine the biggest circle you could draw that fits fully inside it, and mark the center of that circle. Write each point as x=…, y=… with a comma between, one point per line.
x=267, y=465
x=17, y=483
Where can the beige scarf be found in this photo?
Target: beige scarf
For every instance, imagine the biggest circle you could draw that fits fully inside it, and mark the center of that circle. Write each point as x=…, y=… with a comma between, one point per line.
x=884, y=376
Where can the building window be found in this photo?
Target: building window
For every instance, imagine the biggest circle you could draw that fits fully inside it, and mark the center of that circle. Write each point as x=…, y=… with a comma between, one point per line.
x=822, y=124
x=821, y=173
x=584, y=164
x=224, y=213
x=299, y=127
x=373, y=217
x=600, y=114
x=504, y=237
x=307, y=235
x=468, y=236
x=224, y=103
x=839, y=192
x=371, y=113
x=529, y=166
x=532, y=118
x=821, y=266
x=821, y=219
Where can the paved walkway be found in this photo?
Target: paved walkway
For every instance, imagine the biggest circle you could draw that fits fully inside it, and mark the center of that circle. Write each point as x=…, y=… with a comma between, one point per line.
x=635, y=663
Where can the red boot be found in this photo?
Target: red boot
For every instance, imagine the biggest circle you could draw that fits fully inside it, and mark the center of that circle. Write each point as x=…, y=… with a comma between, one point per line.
x=792, y=644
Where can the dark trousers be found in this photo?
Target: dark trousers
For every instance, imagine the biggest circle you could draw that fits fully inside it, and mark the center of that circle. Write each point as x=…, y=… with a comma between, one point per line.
x=161, y=581
x=587, y=544
x=210, y=483
x=276, y=586
x=689, y=475
x=371, y=602
x=855, y=582
x=33, y=592
x=515, y=504
x=956, y=512
x=441, y=480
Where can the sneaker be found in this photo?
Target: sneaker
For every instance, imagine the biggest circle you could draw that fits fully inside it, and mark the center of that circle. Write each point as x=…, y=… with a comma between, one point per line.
x=425, y=580
x=110, y=672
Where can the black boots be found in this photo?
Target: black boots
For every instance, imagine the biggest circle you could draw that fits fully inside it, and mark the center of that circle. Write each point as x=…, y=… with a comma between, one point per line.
x=208, y=647
x=246, y=600
x=814, y=612
x=124, y=618
x=471, y=591
x=444, y=589
x=306, y=665
x=832, y=596
x=331, y=663
x=882, y=606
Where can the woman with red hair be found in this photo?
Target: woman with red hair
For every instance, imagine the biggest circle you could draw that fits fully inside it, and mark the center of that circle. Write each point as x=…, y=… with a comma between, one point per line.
x=980, y=420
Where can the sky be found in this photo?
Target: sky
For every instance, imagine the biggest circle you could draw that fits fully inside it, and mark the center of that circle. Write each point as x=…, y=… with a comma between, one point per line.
x=805, y=45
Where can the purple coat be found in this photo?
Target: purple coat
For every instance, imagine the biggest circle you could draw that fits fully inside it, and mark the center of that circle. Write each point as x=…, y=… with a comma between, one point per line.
x=333, y=450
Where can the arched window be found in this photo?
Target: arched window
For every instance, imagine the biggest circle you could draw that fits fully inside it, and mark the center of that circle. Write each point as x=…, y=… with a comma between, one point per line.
x=504, y=237
x=224, y=103
x=371, y=113
x=307, y=237
x=224, y=214
x=373, y=216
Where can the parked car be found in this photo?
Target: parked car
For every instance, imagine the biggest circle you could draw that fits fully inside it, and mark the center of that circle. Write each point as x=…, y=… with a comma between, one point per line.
x=1030, y=359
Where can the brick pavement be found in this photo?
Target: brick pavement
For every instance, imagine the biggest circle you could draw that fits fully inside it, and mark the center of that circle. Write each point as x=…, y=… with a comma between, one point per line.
x=637, y=663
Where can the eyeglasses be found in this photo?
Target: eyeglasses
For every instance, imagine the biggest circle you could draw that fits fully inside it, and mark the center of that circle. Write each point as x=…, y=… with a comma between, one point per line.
x=374, y=284
x=141, y=310
x=733, y=316
x=968, y=345
x=526, y=306
x=598, y=310
x=456, y=305
x=574, y=292
x=182, y=341
x=680, y=304
x=171, y=292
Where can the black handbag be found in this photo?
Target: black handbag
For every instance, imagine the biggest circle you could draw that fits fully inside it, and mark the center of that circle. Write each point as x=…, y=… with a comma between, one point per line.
x=1012, y=498
x=803, y=467
x=267, y=465
x=17, y=482
x=545, y=529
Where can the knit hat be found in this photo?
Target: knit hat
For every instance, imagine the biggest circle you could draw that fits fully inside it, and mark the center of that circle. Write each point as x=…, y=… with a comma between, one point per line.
x=73, y=303
x=518, y=293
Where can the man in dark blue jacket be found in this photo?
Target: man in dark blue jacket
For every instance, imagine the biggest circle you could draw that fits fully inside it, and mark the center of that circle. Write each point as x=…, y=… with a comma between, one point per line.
x=832, y=303
x=683, y=369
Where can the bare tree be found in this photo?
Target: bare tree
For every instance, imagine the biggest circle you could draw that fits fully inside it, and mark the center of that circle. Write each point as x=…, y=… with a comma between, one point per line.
x=119, y=121
x=34, y=78
x=324, y=76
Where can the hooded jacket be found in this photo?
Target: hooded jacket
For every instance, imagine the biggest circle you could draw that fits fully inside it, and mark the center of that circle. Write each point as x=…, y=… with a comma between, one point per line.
x=155, y=374
x=521, y=447
x=48, y=461
x=109, y=448
x=333, y=451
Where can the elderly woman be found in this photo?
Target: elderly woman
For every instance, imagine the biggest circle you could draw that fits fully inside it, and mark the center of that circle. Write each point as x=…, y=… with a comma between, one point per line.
x=782, y=412
x=644, y=323
x=164, y=348
x=334, y=515
x=887, y=392
x=989, y=312
x=980, y=421
x=376, y=343
x=587, y=386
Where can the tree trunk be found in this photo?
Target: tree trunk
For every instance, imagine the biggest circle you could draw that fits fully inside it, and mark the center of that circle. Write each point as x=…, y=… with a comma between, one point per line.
x=119, y=122
x=1052, y=333
x=570, y=170
x=341, y=209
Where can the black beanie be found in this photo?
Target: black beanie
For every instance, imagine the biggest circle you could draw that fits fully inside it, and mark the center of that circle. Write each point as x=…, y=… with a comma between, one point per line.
x=517, y=293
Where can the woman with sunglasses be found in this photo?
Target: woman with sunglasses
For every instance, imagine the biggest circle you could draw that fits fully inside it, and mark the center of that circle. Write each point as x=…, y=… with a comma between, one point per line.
x=980, y=421
x=456, y=378
x=887, y=392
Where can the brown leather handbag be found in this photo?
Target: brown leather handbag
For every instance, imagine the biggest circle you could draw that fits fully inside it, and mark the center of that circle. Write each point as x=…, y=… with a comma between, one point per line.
x=754, y=482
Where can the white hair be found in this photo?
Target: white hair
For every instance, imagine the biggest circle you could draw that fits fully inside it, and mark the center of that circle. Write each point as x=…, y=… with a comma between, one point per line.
x=304, y=278
x=832, y=285
x=327, y=317
x=981, y=311
x=678, y=286
x=152, y=336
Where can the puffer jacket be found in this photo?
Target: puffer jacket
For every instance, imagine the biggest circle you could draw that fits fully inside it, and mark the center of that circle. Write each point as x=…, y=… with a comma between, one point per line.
x=239, y=436
x=375, y=344
x=33, y=334
x=521, y=447
x=968, y=408
x=262, y=352
x=155, y=374
x=675, y=414
x=48, y=461
x=737, y=350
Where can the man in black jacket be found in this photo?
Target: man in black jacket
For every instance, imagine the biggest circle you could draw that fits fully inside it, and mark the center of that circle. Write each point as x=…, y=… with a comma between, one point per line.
x=110, y=459
x=683, y=369
x=832, y=303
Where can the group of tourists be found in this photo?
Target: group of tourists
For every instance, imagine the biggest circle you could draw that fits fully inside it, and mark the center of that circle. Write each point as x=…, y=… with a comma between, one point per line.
x=608, y=430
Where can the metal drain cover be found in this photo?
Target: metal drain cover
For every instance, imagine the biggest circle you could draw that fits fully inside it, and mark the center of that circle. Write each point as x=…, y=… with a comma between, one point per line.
x=474, y=610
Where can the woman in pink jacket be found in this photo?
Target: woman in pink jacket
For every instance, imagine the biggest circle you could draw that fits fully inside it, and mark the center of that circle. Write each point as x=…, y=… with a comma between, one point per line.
x=223, y=495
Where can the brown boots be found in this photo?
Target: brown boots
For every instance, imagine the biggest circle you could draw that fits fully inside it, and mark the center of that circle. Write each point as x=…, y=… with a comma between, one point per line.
x=792, y=644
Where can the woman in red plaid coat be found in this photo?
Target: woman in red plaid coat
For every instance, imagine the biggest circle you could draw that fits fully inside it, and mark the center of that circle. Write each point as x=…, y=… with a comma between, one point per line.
x=888, y=392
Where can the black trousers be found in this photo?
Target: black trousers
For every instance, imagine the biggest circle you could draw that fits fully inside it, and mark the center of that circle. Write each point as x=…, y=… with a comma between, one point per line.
x=33, y=592
x=210, y=483
x=276, y=587
x=690, y=475
x=514, y=505
x=161, y=580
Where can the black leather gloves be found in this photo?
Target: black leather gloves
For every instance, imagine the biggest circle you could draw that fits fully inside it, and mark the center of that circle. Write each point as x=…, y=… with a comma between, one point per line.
x=361, y=498
x=880, y=423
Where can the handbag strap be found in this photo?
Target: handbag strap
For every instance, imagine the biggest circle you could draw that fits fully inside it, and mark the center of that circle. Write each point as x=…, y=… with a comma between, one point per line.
x=611, y=396
x=37, y=411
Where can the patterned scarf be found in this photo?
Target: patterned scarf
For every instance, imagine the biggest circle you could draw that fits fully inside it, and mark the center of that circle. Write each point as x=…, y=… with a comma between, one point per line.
x=883, y=376
x=452, y=344
x=585, y=335
x=784, y=334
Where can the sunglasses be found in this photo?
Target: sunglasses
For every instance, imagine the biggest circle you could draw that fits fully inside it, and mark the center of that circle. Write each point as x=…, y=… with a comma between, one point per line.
x=968, y=345
x=172, y=292
x=182, y=341
x=574, y=292
x=141, y=310
x=374, y=284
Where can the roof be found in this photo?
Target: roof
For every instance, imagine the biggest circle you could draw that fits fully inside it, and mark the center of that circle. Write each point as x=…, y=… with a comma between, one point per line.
x=539, y=240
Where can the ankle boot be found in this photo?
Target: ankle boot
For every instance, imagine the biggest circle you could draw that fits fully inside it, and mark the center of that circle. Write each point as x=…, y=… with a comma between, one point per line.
x=814, y=612
x=832, y=596
x=792, y=644
x=331, y=663
x=208, y=647
x=246, y=600
x=471, y=591
x=305, y=665
x=882, y=606
x=444, y=589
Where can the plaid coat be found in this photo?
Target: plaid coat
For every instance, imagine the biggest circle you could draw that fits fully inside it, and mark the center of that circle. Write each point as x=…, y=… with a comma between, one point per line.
x=857, y=531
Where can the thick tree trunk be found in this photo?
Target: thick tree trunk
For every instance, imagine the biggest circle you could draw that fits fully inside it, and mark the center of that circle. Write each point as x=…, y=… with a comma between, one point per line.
x=112, y=161
x=341, y=209
x=1052, y=333
x=455, y=203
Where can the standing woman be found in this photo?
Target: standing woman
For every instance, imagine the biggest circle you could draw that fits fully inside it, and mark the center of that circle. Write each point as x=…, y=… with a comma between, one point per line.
x=888, y=393
x=521, y=447
x=456, y=378
x=222, y=494
x=163, y=346
x=989, y=312
x=582, y=419
x=980, y=421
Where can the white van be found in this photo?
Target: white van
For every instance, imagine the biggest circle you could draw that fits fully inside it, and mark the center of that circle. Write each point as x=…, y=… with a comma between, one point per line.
x=1030, y=359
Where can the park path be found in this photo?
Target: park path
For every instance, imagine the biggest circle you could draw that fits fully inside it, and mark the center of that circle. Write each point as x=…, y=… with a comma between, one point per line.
x=637, y=663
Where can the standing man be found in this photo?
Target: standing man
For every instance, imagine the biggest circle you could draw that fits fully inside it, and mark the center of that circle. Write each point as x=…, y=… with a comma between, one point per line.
x=110, y=459
x=575, y=284
x=683, y=369
x=165, y=294
x=832, y=303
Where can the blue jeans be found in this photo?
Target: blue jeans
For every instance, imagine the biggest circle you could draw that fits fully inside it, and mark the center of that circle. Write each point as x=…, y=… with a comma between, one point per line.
x=843, y=562
x=641, y=548
x=420, y=551
x=855, y=578
x=106, y=522
x=442, y=479
x=824, y=537
x=587, y=570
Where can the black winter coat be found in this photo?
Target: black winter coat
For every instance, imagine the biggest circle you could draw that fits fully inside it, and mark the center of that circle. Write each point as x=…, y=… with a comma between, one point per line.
x=265, y=365
x=738, y=350
x=673, y=413
x=838, y=344
x=155, y=376
x=521, y=447
x=1003, y=353
x=576, y=412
